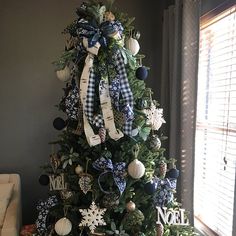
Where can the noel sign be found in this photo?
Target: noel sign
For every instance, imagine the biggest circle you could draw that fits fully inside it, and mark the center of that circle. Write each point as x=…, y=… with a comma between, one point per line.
x=171, y=217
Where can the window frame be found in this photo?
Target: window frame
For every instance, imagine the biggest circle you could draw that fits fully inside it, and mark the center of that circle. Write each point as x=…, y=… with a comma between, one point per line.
x=205, y=20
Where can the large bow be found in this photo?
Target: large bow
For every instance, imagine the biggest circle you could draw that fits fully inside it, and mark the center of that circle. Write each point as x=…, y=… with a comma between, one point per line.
x=99, y=34
x=165, y=193
x=43, y=208
x=117, y=169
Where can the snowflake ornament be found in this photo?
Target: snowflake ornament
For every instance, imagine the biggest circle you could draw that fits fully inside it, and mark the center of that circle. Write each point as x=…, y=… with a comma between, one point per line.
x=92, y=217
x=154, y=117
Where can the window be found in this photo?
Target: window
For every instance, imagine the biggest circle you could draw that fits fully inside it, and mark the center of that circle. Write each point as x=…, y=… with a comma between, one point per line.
x=215, y=145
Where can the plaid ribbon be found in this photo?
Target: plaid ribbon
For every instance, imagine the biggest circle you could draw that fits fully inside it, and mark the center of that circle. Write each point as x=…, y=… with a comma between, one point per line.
x=119, y=86
x=43, y=208
x=117, y=169
x=126, y=93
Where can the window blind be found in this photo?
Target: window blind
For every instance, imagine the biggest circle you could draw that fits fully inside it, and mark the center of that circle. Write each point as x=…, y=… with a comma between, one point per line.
x=215, y=141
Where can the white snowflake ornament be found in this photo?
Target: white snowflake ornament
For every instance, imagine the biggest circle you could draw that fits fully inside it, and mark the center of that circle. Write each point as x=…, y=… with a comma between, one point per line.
x=154, y=117
x=92, y=217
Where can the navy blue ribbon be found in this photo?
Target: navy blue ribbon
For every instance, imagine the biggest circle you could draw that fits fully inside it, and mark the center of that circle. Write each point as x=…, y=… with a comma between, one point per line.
x=43, y=208
x=165, y=193
x=100, y=33
x=117, y=169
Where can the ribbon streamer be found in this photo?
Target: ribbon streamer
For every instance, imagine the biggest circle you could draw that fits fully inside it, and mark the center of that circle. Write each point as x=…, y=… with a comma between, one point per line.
x=126, y=93
x=107, y=111
x=92, y=139
x=43, y=208
x=117, y=169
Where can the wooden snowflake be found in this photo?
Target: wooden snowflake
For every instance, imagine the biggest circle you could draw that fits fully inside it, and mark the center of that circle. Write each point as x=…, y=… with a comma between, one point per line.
x=92, y=217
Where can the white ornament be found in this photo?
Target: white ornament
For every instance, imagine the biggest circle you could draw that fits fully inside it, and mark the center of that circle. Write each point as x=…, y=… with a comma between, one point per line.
x=79, y=169
x=63, y=75
x=136, y=169
x=92, y=217
x=132, y=45
x=154, y=117
x=63, y=226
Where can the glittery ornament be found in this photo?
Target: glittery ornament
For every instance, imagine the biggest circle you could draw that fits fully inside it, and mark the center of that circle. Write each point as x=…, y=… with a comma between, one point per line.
x=159, y=230
x=79, y=169
x=162, y=169
x=102, y=134
x=63, y=226
x=111, y=200
x=130, y=206
x=65, y=194
x=55, y=162
x=154, y=142
x=92, y=217
x=85, y=182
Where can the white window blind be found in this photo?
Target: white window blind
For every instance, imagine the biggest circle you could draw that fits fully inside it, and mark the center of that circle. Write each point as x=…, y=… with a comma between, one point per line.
x=215, y=145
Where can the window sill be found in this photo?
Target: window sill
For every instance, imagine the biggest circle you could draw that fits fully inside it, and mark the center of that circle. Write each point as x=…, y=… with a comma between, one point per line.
x=203, y=229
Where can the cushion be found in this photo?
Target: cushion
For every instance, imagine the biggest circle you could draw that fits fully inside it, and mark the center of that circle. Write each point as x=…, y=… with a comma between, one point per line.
x=5, y=196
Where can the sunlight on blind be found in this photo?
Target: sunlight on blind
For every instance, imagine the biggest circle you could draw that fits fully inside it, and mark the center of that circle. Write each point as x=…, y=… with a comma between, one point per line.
x=215, y=145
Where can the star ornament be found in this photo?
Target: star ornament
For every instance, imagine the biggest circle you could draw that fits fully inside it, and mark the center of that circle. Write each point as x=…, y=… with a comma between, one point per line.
x=154, y=117
x=92, y=217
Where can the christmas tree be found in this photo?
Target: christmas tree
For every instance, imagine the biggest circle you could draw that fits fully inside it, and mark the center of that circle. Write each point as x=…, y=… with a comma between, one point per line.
x=108, y=174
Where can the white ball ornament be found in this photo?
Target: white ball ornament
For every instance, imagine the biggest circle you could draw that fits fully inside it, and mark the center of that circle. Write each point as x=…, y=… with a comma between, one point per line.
x=64, y=74
x=79, y=169
x=63, y=226
x=136, y=169
x=132, y=45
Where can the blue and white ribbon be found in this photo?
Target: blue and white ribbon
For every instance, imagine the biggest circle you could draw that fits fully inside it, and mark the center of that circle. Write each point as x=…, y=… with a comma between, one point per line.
x=117, y=169
x=100, y=34
x=165, y=193
x=43, y=208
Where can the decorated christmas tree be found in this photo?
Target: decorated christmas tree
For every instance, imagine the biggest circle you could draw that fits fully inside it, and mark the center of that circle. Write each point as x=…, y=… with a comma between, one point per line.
x=107, y=173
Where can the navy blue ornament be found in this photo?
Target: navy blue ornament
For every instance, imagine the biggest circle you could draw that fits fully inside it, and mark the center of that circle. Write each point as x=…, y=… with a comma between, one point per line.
x=141, y=73
x=59, y=123
x=150, y=187
x=44, y=180
x=173, y=173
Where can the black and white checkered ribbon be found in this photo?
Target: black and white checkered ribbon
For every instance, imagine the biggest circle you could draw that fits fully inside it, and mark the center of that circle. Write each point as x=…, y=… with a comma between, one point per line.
x=126, y=93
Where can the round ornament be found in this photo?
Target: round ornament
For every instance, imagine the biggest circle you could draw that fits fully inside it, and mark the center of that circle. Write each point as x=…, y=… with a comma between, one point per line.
x=63, y=75
x=132, y=45
x=173, y=173
x=141, y=103
x=59, y=123
x=141, y=73
x=133, y=219
x=63, y=226
x=130, y=206
x=136, y=169
x=150, y=187
x=79, y=169
x=154, y=142
x=111, y=200
x=44, y=180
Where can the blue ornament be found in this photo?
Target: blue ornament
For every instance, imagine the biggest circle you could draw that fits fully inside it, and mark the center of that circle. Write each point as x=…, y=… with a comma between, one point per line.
x=44, y=180
x=173, y=173
x=150, y=187
x=59, y=123
x=141, y=73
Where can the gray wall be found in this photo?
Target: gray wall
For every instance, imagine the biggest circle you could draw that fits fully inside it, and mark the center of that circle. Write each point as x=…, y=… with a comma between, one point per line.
x=30, y=40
